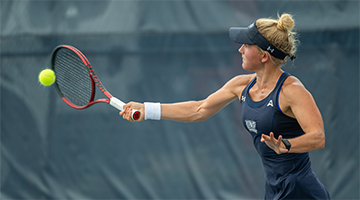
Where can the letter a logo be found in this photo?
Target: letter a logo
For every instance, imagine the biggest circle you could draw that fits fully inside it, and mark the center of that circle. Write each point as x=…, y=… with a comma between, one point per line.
x=270, y=103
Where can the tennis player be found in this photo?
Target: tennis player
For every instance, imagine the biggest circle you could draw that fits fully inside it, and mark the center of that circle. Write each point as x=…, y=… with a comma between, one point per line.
x=277, y=110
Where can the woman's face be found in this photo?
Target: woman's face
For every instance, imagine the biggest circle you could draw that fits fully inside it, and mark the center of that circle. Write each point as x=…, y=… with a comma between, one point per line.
x=251, y=57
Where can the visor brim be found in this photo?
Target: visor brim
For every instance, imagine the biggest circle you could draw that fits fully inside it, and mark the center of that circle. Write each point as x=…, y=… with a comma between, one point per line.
x=238, y=35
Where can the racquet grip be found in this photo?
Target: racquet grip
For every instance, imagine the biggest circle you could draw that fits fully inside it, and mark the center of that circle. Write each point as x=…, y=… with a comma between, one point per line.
x=117, y=103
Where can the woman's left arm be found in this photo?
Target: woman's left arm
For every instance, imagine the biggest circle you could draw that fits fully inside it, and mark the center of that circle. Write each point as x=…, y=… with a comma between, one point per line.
x=297, y=102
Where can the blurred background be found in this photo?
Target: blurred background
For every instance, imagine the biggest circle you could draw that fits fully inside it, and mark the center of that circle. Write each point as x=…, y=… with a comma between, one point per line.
x=164, y=51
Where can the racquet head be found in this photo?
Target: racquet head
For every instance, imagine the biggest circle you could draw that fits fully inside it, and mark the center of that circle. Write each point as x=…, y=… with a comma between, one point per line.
x=73, y=82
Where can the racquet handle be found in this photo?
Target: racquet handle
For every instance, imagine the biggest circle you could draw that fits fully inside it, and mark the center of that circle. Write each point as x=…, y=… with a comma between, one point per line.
x=117, y=103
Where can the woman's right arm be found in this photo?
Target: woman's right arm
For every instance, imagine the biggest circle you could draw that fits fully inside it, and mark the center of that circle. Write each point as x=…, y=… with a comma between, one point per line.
x=192, y=111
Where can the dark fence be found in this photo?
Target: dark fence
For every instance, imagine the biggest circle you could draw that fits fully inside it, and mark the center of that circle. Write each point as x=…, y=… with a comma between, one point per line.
x=167, y=51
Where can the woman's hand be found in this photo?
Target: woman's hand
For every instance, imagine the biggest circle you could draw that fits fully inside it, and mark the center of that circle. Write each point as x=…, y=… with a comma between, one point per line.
x=275, y=144
x=127, y=111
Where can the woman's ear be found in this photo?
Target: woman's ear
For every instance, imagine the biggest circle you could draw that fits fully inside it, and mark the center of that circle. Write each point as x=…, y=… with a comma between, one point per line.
x=265, y=57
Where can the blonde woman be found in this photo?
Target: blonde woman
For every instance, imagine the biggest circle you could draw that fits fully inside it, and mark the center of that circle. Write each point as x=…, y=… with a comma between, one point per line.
x=277, y=110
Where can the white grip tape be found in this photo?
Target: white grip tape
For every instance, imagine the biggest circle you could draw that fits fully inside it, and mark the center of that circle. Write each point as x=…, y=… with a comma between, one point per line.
x=117, y=103
x=152, y=111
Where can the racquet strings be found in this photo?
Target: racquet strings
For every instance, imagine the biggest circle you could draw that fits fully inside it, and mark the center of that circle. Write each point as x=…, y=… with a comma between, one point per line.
x=72, y=77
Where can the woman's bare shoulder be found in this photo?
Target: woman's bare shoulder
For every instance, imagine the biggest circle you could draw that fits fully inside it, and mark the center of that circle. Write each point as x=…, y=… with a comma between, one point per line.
x=293, y=89
x=243, y=79
x=238, y=83
x=292, y=83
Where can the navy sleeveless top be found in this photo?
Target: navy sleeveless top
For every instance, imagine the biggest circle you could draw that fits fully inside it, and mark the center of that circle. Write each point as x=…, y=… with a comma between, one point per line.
x=289, y=175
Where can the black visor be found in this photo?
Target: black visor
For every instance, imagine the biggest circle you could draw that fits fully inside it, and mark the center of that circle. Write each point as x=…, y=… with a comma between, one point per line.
x=251, y=35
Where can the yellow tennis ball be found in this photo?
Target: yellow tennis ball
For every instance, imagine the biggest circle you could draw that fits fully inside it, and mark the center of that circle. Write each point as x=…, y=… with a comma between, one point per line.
x=47, y=77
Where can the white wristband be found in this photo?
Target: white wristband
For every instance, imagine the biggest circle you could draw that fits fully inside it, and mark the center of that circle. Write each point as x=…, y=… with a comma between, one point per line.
x=152, y=111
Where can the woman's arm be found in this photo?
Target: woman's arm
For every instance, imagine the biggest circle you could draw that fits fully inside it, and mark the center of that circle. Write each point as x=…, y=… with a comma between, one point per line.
x=191, y=111
x=297, y=102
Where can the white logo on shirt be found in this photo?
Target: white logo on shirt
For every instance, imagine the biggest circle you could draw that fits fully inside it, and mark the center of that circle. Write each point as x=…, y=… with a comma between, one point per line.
x=270, y=103
x=243, y=98
x=251, y=125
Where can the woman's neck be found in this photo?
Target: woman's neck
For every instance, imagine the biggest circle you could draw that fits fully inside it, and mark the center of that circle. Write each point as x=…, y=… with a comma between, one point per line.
x=267, y=78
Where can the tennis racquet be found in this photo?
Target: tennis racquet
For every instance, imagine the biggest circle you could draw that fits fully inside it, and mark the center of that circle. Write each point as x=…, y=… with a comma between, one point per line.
x=76, y=79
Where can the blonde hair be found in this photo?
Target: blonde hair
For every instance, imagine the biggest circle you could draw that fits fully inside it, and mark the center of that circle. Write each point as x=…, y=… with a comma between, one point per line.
x=279, y=33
